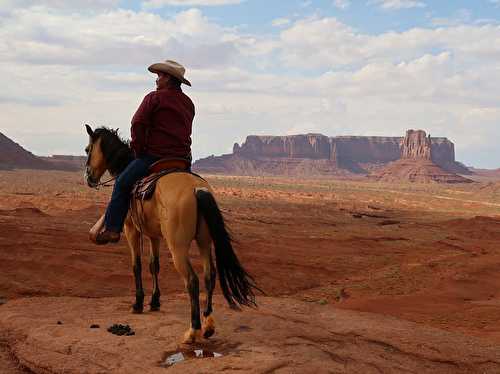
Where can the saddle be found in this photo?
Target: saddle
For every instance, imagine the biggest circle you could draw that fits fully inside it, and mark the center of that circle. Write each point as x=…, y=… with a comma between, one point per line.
x=144, y=188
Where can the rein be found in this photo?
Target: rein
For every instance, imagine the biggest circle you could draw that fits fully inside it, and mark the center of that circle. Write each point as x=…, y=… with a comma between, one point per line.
x=105, y=184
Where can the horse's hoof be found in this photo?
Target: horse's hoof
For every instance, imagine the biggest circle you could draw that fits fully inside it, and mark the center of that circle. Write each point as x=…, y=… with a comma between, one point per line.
x=137, y=309
x=208, y=327
x=191, y=336
x=235, y=307
x=154, y=308
x=208, y=333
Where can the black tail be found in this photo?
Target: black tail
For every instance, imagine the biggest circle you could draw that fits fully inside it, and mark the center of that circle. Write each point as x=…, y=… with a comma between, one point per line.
x=236, y=284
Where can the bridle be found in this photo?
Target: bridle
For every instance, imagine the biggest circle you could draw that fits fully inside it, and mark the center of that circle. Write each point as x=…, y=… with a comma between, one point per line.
x=105, y=184
x=99, y=184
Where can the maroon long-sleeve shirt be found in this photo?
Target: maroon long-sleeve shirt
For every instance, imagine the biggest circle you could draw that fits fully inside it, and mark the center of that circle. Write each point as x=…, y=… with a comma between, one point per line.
x=162, y=124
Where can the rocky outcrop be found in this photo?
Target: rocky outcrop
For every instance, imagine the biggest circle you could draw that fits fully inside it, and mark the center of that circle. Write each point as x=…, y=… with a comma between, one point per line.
x=443, y=154
x=416, y=145
x=316, y=154
x=417, y=170
x=417, y=162
x=353, y=152
x=310, y=146
x=13, y=156
x=311, y=339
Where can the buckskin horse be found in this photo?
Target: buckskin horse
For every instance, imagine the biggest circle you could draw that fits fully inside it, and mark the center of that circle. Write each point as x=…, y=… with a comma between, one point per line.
x=182, y=209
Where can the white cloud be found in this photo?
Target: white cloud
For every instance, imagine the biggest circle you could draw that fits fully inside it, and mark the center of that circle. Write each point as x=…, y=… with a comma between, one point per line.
x=320, y=42
x=326, y=43
x=319, y=74
x=162, y=3
x=342, y=4
x=120, y=38
x=398, y=4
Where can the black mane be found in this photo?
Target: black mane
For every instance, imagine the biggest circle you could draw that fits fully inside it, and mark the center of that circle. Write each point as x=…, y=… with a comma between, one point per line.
x=115, y=150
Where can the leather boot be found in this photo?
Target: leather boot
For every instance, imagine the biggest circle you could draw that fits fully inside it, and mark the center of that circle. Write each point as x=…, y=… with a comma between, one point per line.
x=107, y=236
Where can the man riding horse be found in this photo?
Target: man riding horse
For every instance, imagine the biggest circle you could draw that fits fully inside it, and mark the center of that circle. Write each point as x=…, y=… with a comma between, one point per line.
x=182, y=208
x=161, y=128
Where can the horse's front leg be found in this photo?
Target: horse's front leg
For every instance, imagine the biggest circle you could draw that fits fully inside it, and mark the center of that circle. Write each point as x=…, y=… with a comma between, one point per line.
x=133, y=238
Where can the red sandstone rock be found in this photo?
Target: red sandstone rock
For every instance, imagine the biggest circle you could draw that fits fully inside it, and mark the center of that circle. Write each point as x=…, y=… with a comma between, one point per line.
x=357, y=152
x=313, y=146
x=417, y=170
x=283, y=335
x=416, y=145
x=417, y=163
x=443, y=154
x=316, y=154
x=13, y=156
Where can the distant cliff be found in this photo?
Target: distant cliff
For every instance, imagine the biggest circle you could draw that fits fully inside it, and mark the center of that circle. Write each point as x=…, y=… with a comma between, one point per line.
x=13, y=156
x=66, y=162
x=418, y=161
x=312, y=146
x=356, y=152
x=330, y=155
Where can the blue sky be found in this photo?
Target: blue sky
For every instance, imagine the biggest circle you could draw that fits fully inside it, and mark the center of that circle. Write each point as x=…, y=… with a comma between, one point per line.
x=365, y=16
x=338, y=67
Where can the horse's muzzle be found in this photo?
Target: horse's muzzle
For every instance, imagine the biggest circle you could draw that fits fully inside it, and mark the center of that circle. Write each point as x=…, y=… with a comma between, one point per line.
x=91, y=182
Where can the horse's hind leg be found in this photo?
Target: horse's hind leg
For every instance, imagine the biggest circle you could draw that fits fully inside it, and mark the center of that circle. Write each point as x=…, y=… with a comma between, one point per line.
x=154, y=268
x=133, y=238
x=179, y=229
x=183, y=266
x=205, y=245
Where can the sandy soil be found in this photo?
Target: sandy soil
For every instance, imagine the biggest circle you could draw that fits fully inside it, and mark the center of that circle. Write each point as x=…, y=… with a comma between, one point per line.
x=417, y=257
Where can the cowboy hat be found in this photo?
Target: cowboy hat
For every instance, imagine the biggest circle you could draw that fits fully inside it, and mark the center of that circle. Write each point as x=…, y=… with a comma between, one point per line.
x=170, y=67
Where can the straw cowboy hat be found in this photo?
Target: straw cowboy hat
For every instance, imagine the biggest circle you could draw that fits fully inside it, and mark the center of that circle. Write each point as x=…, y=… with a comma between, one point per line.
x=170, y=67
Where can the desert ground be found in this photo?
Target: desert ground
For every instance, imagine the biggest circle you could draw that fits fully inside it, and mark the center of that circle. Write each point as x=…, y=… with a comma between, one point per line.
x=360, y=277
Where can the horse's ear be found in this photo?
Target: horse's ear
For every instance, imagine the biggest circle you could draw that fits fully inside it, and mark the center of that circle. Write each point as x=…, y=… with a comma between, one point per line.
x=89, y=130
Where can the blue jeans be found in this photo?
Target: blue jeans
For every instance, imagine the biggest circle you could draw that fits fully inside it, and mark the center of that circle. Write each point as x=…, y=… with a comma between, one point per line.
x=120, y=199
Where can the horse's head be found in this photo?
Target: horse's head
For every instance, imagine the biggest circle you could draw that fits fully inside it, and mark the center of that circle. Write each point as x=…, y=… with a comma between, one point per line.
x=105, y=151
x=96, y=164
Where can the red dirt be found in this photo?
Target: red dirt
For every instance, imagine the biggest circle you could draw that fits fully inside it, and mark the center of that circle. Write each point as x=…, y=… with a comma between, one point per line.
x=424, y=254
x=283, y=336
